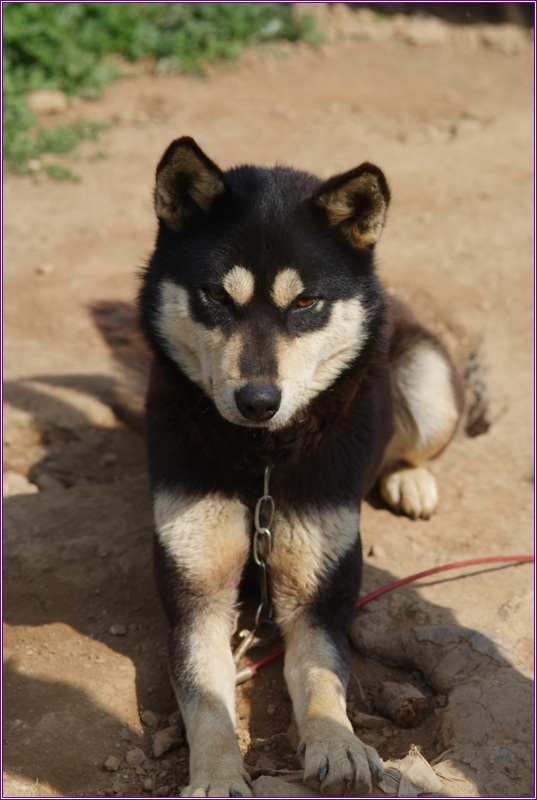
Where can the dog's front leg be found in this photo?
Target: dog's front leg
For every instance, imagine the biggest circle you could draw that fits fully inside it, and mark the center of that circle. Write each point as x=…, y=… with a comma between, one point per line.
x=201, y=548
x=316, y=570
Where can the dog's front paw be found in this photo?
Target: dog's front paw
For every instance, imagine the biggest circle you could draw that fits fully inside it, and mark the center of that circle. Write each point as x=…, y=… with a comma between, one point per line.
x=411, y=491
x=340, y=764
x=220, y=780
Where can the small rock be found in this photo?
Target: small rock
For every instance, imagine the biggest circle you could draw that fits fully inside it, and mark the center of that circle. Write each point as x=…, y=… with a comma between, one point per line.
x=149, y=784
x=119, y=787
x=163, y=791
x=150, y=718
x=112, y=763
x=271, y=709
x=125, y=734
x=165, y=740
x=117, y=630
x=136, y=757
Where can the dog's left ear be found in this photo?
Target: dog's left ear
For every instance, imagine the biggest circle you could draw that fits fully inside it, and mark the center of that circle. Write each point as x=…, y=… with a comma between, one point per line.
x=356, y=203
x=187, y=183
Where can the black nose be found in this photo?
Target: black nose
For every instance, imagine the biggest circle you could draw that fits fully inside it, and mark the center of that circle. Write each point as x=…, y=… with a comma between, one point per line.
x=258, y=401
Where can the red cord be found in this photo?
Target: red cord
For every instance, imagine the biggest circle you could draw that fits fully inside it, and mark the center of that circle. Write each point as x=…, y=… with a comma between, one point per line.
x=456, y=564
x=254, y=668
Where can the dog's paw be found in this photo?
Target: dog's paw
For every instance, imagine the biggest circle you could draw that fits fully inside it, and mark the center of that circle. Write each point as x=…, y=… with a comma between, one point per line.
x=219, y=782
x=340, y=765
x=411, y=491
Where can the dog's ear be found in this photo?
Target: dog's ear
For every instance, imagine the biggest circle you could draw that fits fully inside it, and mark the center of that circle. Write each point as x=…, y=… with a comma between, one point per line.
x=187, y=181
x=356, y=203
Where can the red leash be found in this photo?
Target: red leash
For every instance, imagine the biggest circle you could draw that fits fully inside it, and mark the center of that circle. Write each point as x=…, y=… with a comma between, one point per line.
x=253, y=669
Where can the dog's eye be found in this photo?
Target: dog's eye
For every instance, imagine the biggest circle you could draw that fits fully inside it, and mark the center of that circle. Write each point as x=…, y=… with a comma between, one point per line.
x=303, y=302
x=217, y=295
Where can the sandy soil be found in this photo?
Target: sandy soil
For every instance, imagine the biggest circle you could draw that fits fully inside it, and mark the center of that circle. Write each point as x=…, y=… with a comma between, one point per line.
x=447, y=112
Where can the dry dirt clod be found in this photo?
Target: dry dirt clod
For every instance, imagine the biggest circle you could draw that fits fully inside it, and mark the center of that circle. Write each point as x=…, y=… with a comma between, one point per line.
x=150, y=718
x=112, y=763
x=135, y=757
x=402, y=703
x=117, y=630
x=165, y=740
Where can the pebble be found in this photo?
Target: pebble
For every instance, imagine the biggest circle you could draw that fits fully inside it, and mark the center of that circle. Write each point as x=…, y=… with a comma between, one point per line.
x=112, y=763
x=119, y=787
x=149, y=784
x=150, y=718
x=271, y=709
x=117, y=630
x=125, y=734
x=136, y=757
x=164, y=740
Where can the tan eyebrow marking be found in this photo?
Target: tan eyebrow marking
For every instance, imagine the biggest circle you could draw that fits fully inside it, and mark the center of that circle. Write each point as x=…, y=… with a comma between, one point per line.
x=239, y=283
x=287, y=285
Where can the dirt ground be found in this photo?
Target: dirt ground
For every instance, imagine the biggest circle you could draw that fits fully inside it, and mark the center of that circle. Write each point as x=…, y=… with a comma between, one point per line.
x=447, y=112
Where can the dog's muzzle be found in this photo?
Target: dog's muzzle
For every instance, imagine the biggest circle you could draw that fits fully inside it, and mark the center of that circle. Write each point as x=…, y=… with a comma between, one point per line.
x=258, y=402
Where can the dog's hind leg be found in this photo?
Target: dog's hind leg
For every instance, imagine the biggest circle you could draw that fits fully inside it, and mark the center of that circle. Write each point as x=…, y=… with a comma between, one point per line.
x=428, y=402
x=201, y=547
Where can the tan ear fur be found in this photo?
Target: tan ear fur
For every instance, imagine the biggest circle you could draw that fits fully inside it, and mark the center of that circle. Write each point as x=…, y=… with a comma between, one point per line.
x=356, y=202
x=186, y=181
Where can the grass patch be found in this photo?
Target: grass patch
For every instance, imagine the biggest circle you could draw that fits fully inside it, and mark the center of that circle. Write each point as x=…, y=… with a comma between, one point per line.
x=64, y=46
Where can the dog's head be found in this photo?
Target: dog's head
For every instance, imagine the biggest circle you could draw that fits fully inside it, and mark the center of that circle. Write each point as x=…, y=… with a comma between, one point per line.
x=261, y=286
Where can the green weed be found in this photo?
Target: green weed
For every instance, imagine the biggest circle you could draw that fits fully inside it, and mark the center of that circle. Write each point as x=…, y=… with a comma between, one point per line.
x=64, y=46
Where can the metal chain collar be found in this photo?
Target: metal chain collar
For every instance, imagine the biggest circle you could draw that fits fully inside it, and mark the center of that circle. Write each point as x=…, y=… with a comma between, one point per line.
x=264, y=630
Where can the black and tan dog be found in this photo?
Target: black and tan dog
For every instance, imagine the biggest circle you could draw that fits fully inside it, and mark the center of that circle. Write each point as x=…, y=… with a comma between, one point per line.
x=274, y=345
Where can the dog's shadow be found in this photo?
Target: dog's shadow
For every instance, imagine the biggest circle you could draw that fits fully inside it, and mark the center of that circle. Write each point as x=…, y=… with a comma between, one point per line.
x=78, y=567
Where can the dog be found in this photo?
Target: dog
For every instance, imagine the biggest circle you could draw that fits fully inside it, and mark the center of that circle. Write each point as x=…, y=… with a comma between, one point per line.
x=275, y=346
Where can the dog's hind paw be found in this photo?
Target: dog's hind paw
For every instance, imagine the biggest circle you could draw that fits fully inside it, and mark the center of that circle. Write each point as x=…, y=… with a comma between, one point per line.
x=342, y=765
x=411, y=491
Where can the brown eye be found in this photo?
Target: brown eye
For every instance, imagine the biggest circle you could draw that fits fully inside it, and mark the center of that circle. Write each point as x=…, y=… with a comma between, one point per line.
x=305, y=302
x=218, y=295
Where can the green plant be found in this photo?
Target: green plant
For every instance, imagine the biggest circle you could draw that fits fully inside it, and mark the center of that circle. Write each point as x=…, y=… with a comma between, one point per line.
x=63, y=46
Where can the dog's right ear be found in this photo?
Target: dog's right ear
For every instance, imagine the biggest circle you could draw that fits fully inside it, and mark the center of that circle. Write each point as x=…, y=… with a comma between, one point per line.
x=187, y=181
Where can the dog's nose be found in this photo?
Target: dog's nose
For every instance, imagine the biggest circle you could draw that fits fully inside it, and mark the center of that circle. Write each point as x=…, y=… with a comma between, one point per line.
x=258, y=402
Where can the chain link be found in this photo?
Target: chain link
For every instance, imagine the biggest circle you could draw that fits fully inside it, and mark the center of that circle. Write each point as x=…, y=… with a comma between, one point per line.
x=262, y=545
x=264, y=630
